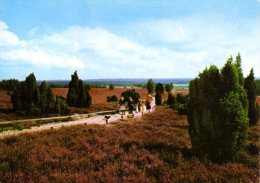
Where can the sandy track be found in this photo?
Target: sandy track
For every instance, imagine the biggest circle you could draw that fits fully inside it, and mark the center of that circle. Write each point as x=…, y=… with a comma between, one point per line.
x=91, y=120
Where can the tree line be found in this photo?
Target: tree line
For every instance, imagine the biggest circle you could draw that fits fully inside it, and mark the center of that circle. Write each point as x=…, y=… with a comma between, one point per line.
x=179, y=103
x=30, y=98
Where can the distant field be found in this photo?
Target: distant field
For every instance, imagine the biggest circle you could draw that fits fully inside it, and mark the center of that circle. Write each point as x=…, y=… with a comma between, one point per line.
x=99, y=94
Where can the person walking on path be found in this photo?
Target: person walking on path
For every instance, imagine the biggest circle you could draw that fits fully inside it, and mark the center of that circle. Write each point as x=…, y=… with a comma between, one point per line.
x=131, y=105
x=143, y=107
x=122, y=106
x=148, y=103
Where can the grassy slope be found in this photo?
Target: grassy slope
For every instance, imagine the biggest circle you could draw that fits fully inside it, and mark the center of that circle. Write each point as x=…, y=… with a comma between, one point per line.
x=151, y=149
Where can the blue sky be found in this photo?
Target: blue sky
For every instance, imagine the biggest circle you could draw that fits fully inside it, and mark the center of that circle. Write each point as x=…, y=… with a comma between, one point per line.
x=126, y=39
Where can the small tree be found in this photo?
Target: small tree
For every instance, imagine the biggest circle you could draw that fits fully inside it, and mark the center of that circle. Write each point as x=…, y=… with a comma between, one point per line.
x=169, y=87
x=72, y=96
x=112, y=98
x=171, y=100
x=158, y=98
x=78, y=95
x=182, y=103
x=250, y=87
x=159, y=89
x=130, y=93
x=88, y=99
x=82, y=94
x=240, y=73
x=16, y=100
x=51, y=99
x=43, y=96
x=150, y=86
x=111, y=87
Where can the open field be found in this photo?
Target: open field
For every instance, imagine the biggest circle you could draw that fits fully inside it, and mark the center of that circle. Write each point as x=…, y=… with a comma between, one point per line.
x=154, y=148
x=99, y=94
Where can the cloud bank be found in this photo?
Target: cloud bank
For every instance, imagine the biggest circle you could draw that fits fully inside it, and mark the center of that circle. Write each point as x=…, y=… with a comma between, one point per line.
x=155, y=48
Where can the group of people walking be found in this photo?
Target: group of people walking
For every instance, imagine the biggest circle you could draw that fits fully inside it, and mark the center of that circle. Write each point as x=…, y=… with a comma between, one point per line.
x=139, y=106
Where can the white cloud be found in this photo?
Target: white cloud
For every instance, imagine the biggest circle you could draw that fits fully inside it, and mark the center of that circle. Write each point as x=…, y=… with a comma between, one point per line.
x=7, y=38
x=15, y=50
x=42, y=58
x=185, y=48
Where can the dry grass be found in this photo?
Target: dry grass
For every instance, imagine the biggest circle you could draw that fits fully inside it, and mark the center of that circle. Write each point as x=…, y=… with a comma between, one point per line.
x=154, y=148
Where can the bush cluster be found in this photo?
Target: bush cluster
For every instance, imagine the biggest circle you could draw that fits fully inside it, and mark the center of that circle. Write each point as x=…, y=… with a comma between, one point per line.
x=9, y=85
x=180, y=103
x=130, y=94
x=30, y=98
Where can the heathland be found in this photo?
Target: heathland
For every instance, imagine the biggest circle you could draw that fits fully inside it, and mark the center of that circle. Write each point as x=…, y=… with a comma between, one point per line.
x=154, y=148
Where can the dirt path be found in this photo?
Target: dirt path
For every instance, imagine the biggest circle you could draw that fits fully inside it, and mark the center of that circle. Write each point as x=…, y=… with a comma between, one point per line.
x=91, y=120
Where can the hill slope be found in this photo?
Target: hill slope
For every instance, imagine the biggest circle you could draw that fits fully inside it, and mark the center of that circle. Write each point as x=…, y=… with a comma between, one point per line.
x=154, y=148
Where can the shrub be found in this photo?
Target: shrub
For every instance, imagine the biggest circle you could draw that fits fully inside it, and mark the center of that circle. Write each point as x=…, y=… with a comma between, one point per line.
x=169, y=87
x=250, y=87
x=112, y=98
x=182, y=109
x=150, y=86
x=88, y=99
x=78, y=94
x=158, y=98
x=111, y=87
x=159, y=88
x=217, y=113
x=130, y=93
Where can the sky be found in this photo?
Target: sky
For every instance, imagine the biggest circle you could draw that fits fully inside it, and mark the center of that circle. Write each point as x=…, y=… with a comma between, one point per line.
x=126, y=38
